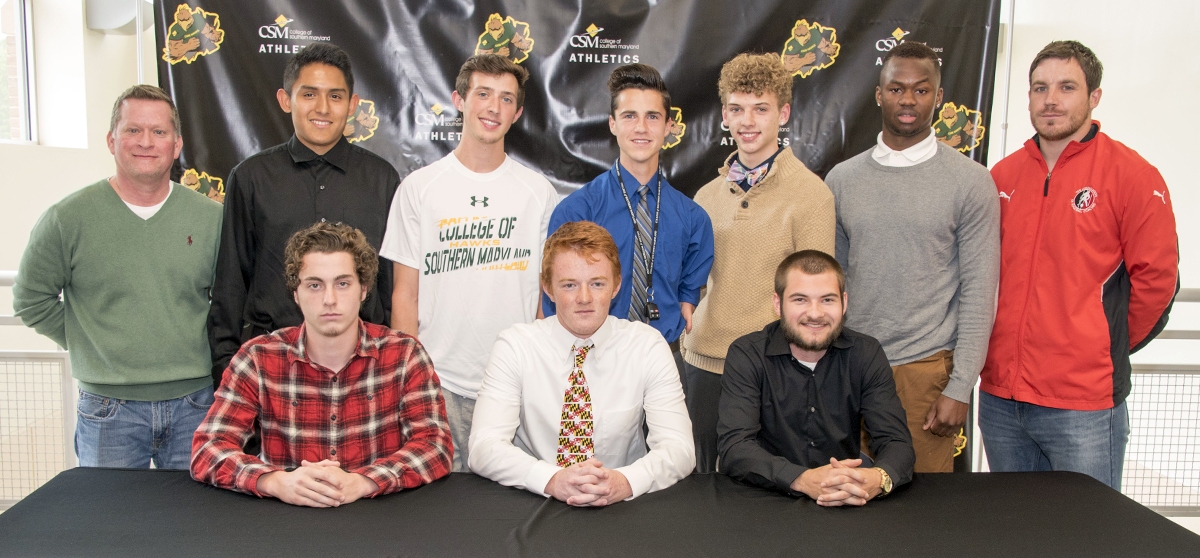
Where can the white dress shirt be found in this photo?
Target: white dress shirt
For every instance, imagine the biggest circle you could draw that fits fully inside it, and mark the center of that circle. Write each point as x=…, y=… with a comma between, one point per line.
x=630, y=374
x=919, y=153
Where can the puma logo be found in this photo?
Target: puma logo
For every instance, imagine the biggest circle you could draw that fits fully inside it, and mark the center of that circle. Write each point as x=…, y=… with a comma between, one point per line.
x=1007, y=195
x=1161, y=195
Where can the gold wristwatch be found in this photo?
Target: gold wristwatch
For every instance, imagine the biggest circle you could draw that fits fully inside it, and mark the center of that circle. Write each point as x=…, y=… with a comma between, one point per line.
x=885, y=482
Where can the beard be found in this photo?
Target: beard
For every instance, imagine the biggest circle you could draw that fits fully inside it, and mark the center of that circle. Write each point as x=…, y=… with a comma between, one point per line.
x=791, y=331
x=1075, y=121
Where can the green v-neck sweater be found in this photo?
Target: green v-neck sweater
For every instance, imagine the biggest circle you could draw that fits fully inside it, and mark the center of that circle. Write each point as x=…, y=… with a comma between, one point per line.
x=135, y=291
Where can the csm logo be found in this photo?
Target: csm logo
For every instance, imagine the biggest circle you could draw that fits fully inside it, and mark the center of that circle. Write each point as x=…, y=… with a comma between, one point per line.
x=426, y=119
x=884, y=45
x=585, y=41
x=273, y=32
x=278, y=30
x=437, y=116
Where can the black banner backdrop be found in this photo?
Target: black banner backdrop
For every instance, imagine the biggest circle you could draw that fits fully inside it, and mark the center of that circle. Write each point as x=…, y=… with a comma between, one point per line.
x=223, y=60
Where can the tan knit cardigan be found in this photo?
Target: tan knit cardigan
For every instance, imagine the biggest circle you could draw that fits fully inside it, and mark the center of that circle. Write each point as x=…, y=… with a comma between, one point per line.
x=788, y=211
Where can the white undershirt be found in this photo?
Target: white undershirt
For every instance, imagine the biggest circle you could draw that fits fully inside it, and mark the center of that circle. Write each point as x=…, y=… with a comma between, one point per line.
x=146, y=212
x=919, y=153
x=810, y=365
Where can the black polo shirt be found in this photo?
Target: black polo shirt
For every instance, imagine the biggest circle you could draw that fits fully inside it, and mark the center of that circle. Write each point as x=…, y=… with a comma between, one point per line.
x=270, y=196
x=778, y=418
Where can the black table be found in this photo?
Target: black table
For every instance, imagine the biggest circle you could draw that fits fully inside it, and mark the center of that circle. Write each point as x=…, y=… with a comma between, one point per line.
x=118, y=512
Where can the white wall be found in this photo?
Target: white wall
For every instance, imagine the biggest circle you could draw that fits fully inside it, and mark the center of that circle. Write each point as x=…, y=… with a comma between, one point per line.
x=1151, y=71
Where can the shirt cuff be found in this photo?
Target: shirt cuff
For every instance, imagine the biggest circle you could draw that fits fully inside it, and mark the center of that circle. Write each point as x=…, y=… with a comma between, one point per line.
x=959, y=390
x=381, y=476
x=639, y=480
x=254, y=472
x=539, y=476
x=787, y=476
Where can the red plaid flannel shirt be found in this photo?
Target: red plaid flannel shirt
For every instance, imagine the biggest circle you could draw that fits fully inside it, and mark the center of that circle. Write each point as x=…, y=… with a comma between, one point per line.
x=382, y=416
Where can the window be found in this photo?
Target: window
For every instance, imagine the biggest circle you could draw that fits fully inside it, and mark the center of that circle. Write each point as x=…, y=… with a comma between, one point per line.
x=15, y=107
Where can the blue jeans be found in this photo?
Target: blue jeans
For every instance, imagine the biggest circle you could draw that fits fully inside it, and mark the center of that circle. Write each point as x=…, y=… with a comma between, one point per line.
x=1026, y=437
x=122, y=433
x=459, y=411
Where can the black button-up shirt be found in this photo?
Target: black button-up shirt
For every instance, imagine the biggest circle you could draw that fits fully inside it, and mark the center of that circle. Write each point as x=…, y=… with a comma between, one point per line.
x=270, y=196
x=778, y=418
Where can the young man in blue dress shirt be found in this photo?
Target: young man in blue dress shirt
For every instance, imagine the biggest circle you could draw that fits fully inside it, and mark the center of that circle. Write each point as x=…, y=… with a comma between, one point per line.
x=661, y=285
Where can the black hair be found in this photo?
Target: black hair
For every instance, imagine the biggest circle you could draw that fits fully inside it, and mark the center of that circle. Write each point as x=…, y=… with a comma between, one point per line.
x=318, y=53
x=637, y=76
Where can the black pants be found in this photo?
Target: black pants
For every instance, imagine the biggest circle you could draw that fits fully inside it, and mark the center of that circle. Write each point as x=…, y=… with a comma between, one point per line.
x=703, y=390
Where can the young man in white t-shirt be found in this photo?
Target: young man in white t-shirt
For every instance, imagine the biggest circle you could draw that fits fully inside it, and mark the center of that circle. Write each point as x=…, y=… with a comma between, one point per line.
x=465, y=235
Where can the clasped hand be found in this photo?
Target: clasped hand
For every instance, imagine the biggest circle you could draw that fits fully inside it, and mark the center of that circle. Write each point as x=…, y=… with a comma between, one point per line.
x=589, y=484
x=841, y=483
x=318, y=485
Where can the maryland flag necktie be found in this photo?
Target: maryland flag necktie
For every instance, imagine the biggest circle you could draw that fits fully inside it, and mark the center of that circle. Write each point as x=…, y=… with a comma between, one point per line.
x=575, y=430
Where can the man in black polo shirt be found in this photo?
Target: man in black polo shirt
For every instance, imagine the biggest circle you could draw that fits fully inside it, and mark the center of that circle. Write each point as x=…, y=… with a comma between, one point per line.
x=316, y=176
x=794, y=395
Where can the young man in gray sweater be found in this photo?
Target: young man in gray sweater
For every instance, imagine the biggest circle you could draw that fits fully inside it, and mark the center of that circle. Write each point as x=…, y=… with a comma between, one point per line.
x=918, y=233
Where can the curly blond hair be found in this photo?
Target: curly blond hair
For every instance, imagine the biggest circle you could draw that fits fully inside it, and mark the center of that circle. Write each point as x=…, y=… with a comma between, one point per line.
x=756, y=74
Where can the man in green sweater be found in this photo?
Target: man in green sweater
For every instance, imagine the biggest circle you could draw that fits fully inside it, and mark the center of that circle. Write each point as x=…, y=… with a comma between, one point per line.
x=918, y=233
x=119, y=274
x=764, y=205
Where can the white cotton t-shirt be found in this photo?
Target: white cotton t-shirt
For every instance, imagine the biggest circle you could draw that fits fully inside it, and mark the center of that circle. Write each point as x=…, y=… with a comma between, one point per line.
x=148, y=211
x=476, y=243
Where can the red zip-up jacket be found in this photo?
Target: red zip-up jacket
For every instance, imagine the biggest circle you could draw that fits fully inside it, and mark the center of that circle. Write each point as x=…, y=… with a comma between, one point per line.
x=1089, y=268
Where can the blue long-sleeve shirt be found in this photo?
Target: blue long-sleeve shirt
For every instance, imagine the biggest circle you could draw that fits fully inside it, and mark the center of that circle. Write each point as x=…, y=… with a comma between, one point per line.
x=685, y=243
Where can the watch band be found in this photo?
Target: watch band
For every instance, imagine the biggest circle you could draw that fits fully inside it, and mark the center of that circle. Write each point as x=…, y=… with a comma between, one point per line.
x=885, y=482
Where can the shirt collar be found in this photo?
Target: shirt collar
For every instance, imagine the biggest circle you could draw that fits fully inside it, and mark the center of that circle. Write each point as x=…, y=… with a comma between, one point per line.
x=1095, y=129
x=763, y=165
x=363, y=348
x=632, y=185
x=768, y=162
x=338, y=155
x=777, y=343
x=919, y=153
x=567, y=339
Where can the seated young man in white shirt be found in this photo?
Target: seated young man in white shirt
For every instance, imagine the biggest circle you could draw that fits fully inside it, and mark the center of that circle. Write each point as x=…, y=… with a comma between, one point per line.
x=561, y=408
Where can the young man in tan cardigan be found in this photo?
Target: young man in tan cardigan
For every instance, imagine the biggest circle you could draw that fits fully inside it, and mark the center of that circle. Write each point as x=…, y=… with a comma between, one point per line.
x=764, y=205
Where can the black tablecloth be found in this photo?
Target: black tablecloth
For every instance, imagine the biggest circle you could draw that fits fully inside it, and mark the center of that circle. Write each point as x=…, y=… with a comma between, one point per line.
x=116, y=512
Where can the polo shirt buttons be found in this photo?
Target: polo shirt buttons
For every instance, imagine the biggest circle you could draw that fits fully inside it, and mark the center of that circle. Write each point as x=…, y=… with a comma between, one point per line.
x=745, y=204
x=812, y=444
x=322, y=219
x=732, y=191
x=322, y=186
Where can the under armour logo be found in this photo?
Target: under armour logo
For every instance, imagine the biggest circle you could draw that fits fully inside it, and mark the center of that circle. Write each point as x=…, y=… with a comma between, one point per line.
x=1007, y=195
x=1162, y=195
x=482, y=201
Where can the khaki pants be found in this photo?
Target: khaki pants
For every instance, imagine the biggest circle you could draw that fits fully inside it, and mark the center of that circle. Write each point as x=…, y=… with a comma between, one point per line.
x=919, y=383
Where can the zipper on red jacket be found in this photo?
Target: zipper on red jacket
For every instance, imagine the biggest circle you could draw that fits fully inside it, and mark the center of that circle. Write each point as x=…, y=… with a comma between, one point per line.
x=1046, y=187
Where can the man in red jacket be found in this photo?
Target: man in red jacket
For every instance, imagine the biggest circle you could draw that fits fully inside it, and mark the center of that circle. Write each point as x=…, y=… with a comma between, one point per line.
x=1089, y=268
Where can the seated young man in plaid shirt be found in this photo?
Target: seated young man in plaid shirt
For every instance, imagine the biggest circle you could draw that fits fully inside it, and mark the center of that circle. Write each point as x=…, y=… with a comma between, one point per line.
x=347, y=408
